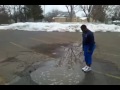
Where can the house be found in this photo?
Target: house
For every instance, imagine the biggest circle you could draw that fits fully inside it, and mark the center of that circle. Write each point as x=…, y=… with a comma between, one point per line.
x=59, y=19
x=64, y=17
x=74, y=19
x=84, y=19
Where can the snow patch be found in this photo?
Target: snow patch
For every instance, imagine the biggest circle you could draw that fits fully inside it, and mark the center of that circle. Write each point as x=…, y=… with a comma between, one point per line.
x=60, y=27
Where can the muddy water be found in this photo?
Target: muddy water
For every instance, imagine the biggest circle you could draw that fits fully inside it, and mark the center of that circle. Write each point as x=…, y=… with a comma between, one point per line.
x=49, y=74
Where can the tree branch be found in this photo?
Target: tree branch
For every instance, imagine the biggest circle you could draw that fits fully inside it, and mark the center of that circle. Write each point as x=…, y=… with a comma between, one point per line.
x=68, y=9
x=83, y=8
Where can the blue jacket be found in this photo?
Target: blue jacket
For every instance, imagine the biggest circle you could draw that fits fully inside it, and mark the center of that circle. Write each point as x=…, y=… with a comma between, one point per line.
x=88, y=40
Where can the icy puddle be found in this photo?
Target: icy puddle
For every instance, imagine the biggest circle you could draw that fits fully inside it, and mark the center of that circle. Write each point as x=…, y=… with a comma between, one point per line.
x=49, y=74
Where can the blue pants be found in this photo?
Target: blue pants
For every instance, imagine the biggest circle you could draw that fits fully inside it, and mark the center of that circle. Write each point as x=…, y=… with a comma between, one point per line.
x=88, y=55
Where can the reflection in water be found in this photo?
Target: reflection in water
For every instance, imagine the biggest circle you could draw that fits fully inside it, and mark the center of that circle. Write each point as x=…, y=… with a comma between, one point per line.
x=51, y=75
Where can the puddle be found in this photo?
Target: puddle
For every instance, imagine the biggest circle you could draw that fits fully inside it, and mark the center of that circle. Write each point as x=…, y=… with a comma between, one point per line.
x=49, y=74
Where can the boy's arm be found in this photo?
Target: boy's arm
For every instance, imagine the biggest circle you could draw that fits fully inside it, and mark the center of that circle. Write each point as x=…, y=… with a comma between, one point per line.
x=90, y=39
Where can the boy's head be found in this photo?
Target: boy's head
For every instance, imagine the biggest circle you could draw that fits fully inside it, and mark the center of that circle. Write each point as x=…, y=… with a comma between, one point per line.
x=84, y=28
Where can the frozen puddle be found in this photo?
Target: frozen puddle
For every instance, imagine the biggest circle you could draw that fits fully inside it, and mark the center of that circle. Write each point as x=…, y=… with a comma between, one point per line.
x=49, y=74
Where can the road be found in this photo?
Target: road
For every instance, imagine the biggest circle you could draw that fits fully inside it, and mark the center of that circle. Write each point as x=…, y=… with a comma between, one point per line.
x=15, y=42
x=104, y=73
x=12, y=41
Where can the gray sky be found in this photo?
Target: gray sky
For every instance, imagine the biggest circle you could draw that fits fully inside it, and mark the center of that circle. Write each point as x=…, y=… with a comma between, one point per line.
x=59, y=7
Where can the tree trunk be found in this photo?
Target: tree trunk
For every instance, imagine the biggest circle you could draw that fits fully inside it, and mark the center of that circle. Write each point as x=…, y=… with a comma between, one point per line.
x=34, y=19
x=25, y=17
x=71, y=18
x=15, y=20
x=88, y=19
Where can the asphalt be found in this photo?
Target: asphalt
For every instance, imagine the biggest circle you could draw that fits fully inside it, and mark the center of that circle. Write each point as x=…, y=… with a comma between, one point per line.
x=103, y=73
x=14, y=42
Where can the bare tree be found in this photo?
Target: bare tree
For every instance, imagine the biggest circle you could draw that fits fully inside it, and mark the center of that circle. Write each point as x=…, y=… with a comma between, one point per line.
x=87, y=10
x=15, y=12
x=111, y=10
x=4, y=18
x=21, y=13
x=10, y=9
x=99, y=12
x=116, y=15
x=72, y=11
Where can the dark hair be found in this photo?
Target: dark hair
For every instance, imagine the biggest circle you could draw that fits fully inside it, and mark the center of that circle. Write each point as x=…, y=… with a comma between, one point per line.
x=84, y=26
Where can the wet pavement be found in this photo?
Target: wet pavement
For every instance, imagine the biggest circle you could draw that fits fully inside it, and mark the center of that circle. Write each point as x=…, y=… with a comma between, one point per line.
x=103, y=73
x=47, y=73
x=15, y=42
x=50, y=74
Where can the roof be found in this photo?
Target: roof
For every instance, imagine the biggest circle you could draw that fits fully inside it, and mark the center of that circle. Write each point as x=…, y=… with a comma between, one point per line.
x=64, y=14
x=83, y=18
x=58, y=17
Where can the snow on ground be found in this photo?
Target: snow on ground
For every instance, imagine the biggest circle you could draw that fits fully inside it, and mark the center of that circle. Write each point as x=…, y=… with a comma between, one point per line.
x=61, y=27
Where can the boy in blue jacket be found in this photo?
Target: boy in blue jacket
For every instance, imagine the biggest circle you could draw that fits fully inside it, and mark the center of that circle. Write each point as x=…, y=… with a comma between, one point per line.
x=88, y=45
